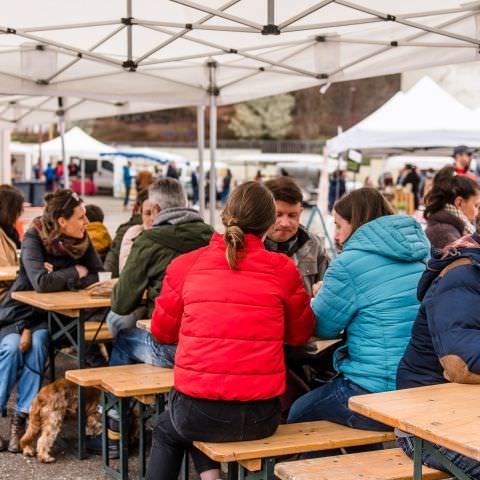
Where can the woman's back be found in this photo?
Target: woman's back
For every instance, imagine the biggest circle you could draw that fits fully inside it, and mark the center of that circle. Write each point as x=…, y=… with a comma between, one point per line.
x=233, y=322
x=370, y=289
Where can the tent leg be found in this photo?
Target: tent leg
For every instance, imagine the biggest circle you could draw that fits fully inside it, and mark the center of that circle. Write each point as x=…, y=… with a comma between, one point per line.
x=82, y=177
x=5, y=160
x=213, y=152
x=201, y=151
x=61, y=127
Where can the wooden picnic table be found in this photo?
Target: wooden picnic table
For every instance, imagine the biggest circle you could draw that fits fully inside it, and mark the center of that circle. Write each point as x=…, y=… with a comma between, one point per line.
x=60, y=305
x=8, y=274
x=447, y=415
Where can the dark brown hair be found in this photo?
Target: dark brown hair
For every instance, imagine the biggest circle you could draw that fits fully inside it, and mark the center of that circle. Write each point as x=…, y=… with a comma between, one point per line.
x=94, y=213
x=362, y=206
x=250, y=208
x=447, y=186
x=11, y=205
x=285, y=189
x=60, y=203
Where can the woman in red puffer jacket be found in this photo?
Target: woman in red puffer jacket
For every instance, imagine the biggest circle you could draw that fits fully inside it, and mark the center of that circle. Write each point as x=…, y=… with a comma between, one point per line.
x=230, y=306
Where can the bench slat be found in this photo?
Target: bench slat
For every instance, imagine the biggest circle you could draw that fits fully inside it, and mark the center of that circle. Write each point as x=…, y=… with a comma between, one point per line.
x=391, y=464
x=292, y=439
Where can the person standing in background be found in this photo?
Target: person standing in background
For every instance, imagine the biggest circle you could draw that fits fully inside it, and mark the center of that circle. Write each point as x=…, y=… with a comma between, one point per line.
x=172, y=171
x=463, y=156
x=49, y=178
x=195, y=186
x=59, y=174
x=127, y=183
x=227, y=181
x=412, y=178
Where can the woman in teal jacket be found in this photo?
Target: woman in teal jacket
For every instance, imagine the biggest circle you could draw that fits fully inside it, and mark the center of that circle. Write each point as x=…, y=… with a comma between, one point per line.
x=369, y=292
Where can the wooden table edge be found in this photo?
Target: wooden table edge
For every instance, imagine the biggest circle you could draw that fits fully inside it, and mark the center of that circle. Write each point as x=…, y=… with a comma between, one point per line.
x=406, y=427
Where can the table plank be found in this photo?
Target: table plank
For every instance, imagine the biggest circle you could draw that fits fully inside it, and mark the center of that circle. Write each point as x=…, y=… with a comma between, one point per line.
x=8, y=274
x=157, y=381
x=59, y=301
x=92, y=377
x=447, y=414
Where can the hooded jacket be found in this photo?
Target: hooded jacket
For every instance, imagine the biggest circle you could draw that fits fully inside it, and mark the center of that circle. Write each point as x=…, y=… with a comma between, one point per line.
x=370, y=292
x=175, y=231
x=444, y=228
x=231, y=325
x=448, y=322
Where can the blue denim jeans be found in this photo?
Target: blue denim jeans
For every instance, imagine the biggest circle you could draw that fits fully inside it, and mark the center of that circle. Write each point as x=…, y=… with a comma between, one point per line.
x=26, y=369
x=467, y=465
x=330, y=402
x=138, y=346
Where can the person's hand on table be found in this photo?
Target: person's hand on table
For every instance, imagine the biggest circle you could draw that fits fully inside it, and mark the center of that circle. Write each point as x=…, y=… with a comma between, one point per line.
x=48, y=267
x=316, y=287
x=82, y=271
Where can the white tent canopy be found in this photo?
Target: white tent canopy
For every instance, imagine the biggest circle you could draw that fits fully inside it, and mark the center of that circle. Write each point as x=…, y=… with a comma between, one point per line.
x=178, y=52
x=424, y=118
x=26, y=110
x=77, y=143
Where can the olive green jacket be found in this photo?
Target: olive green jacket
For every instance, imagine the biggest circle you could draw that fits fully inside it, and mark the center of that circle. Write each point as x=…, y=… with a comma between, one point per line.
x=151, y=254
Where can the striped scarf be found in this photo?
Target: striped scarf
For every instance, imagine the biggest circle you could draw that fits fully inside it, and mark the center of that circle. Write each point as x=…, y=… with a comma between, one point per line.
x=453, y=210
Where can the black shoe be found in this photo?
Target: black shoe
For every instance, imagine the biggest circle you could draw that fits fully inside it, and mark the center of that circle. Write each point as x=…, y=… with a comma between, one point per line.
x=3, y=444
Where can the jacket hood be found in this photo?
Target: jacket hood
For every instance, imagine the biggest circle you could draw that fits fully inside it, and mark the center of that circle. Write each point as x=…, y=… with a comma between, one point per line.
x=181, y=237
x=439, y=261
x=395, y=236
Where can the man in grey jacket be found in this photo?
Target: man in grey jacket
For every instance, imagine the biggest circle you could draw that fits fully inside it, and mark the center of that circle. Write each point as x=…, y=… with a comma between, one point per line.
x=288, y=236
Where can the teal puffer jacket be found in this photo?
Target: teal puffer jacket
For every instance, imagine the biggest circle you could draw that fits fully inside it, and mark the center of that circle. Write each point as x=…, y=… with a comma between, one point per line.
x=370, y=292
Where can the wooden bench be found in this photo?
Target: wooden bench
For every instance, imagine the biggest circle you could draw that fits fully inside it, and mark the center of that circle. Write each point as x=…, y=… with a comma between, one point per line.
x=145, y=383
x=260, y=455
x=391, y=464
x=103, y=335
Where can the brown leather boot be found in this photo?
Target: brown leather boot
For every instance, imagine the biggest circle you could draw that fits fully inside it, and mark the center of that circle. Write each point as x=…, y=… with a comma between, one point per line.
x=17, y=429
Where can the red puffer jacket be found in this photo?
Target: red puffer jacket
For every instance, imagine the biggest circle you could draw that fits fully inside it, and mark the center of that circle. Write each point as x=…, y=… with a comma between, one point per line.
x=231, y=325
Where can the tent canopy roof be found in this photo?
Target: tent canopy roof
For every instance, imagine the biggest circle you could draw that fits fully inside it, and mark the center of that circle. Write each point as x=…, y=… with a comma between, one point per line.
x=179, y=52
x=77, y=142
x=426, y=117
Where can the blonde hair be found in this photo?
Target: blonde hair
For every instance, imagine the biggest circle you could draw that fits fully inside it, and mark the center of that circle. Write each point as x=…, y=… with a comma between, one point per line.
x=250, y=209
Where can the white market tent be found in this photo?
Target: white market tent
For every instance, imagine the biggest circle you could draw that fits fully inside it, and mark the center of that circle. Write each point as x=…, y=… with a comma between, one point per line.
x=77, y=143
x=184, y=52
x=424, y=118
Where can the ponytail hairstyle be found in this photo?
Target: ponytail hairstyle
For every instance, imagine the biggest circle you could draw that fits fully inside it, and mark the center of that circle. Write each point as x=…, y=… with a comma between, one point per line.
x=447, y=186
x=250, y=209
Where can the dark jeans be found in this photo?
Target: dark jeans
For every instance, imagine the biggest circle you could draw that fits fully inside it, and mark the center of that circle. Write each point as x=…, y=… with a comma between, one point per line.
x=126, y=199
x=190, y=419
x=330, y=402
x=467, y=465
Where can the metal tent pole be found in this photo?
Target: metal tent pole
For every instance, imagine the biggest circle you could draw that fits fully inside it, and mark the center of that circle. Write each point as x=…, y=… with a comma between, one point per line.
x=201, y=164
x=213, y=91
x=61, y=128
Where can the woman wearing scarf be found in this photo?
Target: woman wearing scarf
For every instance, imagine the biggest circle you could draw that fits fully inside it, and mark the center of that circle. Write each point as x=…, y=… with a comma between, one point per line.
x=11, y=207
x=56, y=255
x=451, y=207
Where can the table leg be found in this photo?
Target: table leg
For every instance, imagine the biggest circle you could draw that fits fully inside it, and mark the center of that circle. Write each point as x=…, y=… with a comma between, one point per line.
x=232, y=471
x=123, y=411
x=417, y=458
x=142, y=460
x=444, y=461
x=51, y=348
x=81, y=391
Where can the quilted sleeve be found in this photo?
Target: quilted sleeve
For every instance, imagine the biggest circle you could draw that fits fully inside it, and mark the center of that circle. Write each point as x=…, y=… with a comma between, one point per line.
x=336, y=303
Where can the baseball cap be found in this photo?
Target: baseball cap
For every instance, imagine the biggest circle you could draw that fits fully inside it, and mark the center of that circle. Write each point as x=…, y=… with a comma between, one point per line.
x=463, y=149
